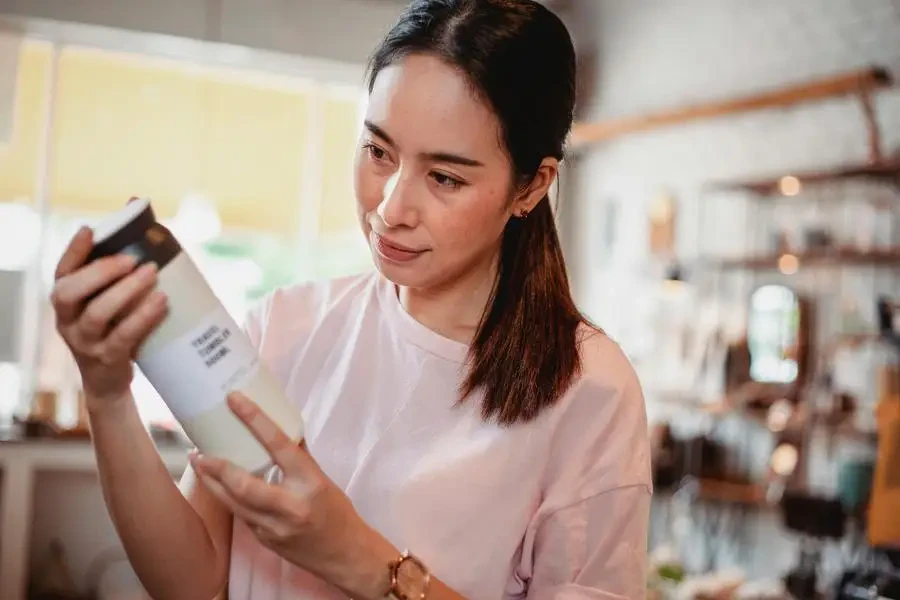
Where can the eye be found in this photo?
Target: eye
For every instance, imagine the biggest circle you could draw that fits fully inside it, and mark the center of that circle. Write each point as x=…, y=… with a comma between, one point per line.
x=446, y=181
x=376, y=153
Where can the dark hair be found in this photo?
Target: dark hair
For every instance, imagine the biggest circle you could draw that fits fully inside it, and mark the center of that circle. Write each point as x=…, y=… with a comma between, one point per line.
x=519, y=59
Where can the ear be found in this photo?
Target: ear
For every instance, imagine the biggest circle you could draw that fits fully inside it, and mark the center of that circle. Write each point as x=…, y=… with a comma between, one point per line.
x=526, y=200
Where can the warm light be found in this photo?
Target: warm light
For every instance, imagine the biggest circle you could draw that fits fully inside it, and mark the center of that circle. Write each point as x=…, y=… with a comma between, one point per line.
x=788, y=264
x=673, y=286
x=784, y=460
x=662, y=209
x=779, y=415
x=789, y=185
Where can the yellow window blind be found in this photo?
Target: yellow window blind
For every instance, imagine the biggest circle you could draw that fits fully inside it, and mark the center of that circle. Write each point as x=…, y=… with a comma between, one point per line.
x=132, y=125
x=337, y=213
x=19, y=158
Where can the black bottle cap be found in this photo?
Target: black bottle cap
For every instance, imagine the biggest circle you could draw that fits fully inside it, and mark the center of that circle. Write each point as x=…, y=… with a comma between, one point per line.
x=134, y=230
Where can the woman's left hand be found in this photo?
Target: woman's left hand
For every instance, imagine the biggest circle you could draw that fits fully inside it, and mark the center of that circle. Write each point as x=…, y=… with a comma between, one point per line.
x=305, y=517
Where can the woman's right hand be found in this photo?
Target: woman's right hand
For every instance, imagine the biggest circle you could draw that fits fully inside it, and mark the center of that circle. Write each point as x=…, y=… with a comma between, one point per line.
x=104, y=312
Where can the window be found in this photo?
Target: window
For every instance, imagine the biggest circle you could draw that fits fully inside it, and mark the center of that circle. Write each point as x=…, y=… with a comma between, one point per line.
x=251, y=168
x=20, y=225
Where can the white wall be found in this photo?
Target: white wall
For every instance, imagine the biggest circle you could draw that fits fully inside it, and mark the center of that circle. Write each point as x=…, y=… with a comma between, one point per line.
x=342, y=30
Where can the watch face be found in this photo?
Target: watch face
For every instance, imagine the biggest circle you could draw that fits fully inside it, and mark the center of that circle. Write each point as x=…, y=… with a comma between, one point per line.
x=412, y=580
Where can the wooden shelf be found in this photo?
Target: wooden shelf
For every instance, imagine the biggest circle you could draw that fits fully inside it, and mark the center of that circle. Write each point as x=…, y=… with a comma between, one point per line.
x=888, y=257
x=854, y=83
x=747, y=494
x=791, y=184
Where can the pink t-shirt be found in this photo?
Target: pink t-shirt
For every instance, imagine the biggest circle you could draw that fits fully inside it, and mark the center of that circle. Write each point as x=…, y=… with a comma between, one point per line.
x=553, y=509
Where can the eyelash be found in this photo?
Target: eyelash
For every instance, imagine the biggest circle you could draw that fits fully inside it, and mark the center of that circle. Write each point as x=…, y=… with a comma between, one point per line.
x=445, y=181
x=371, y=149
x=442, y=179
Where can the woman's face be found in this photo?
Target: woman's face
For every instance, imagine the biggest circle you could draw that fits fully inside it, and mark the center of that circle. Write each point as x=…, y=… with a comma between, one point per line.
x=433, y=182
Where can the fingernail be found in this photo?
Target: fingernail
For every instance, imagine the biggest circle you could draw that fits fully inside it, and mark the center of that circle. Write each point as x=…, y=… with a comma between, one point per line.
x=148, y=269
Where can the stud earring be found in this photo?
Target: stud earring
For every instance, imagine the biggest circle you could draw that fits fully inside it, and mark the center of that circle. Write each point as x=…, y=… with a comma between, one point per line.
x=523, y=214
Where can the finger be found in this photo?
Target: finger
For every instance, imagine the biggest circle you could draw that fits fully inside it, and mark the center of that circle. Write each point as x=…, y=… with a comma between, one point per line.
x=285, y=452
x=250, y=516
x=247, y=490
x=71, y=291
x=100, y=312
x=75, y=253
x=128, y=336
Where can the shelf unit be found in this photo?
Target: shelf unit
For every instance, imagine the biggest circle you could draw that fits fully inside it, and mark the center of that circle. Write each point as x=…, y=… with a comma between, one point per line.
x=835, y=268
x=792, y=189
x=838, y=257
x=760, y=260
x=880, y=170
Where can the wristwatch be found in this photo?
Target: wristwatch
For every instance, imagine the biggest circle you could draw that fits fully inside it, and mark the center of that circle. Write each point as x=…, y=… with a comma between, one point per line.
x=410, y=578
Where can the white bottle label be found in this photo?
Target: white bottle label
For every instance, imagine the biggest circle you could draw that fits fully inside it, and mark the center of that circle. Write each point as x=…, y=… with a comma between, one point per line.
x=195, y=372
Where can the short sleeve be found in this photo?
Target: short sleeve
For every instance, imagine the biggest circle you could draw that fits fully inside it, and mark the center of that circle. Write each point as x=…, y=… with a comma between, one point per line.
x=595, y=549
x=588, y=537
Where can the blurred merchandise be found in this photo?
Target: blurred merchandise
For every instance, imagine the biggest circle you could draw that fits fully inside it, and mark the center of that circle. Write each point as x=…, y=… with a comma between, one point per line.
x=54, y=579
x=855, y=484
x=722, y=585
x=877, y=582
x=818, y=238
x=884, y=515
x=889, y=383
x=43, y=407
x=665, y=572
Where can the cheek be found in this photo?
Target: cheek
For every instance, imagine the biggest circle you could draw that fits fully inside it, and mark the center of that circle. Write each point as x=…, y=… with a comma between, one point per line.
x=473, y=224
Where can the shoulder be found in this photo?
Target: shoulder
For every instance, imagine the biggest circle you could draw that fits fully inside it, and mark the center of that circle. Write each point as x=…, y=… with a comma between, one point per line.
x=602, y=420
x=294, y=309
x=605, y=369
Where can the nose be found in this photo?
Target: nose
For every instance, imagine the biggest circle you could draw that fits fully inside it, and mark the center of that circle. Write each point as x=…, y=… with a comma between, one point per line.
x=396, y=208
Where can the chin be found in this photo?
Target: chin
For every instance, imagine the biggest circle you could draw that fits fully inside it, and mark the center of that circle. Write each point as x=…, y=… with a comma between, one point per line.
x=399, y=274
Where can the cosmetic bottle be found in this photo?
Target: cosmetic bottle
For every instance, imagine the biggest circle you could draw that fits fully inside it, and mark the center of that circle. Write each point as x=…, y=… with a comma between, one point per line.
x=198, y=354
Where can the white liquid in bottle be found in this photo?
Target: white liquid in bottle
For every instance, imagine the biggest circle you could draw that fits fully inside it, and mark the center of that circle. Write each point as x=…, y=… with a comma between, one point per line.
x=198, y=354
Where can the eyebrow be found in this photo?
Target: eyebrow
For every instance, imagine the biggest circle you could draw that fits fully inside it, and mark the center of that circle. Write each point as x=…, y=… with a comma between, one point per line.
x=445, y=157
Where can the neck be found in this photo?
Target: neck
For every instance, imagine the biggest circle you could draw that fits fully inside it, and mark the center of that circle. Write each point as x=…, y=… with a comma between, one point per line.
x=454, y=309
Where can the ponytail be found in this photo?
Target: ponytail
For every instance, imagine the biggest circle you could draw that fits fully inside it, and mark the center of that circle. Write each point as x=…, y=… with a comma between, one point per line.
x=525, y=354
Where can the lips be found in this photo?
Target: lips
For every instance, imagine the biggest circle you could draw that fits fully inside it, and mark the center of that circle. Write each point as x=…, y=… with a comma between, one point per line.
x=394, y=251
x=397, y=246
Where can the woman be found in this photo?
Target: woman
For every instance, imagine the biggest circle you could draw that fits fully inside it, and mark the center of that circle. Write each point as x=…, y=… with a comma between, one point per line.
x=457, y=404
